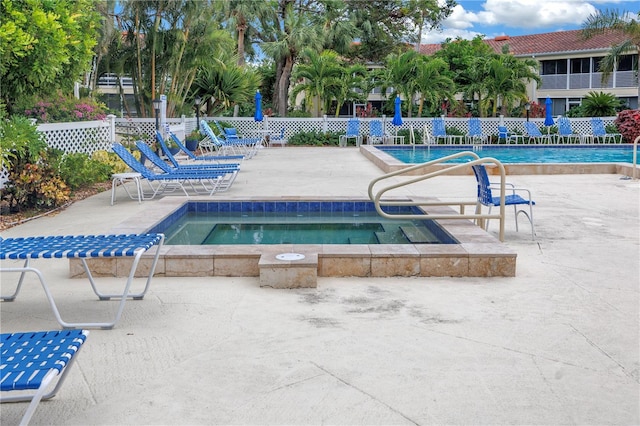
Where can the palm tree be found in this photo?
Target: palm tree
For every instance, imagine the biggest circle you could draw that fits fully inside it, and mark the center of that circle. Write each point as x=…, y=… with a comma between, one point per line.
x=320, y=73
x=432, y=82
x=400, y=73
x=292, y=32
x=605, y=20
x=224, y=84
x=351, y=86
x=505, y=81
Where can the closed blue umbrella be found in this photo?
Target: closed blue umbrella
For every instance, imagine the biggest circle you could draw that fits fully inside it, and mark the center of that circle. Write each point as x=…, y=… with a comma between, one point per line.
x=397, y=113
x=548, y=118
x=257, y=116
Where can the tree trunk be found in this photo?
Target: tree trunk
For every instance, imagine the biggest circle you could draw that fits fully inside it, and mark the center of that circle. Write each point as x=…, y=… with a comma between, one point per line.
x=283, y=86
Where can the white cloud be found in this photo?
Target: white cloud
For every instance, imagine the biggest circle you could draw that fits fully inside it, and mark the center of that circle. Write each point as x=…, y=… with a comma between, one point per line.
x=452, y=33
x=498, y=17
x=539, y=14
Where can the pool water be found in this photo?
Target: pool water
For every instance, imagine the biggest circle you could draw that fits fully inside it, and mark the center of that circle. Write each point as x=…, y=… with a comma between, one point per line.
x=302, y=222
x=515, y=154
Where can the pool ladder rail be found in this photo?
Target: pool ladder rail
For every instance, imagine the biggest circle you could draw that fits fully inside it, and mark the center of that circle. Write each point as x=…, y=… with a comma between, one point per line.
x=478, y=216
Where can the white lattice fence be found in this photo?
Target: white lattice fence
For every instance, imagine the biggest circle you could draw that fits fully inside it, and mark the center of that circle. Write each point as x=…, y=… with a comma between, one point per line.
x=91, y=136
x=83, y=136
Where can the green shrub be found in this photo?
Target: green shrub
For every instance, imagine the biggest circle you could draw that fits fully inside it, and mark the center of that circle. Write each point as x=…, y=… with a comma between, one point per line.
x=78, y=170
x=32, y=181
x=600, y=104
x=20, y=141
x=34, y=185
x=314, y=138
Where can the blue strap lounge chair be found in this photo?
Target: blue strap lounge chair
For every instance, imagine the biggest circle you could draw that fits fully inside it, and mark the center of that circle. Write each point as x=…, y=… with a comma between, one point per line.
x=376, y=134
x=175, y=166
x=566, y=133
x=246, y=147
x=200, y=183
x=475, y=135
x=486, y=198
x=82, y=247
x=31, y=362
x=190, y=155
x=534, y=135
x=231, y=136
x=231, y=170
x=599, y=132
x=353, y=132
x=439, y=131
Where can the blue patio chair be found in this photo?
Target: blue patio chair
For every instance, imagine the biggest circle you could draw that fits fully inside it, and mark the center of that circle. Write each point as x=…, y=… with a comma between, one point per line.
x=534, y=134
x=31, y=361
x=376, y=134
x=566, y=133
x=486, y=198
x=475, y=134
x=278, y=139
x=508, y=136
x=353, y=132
x=599, y=131
x=439, y=131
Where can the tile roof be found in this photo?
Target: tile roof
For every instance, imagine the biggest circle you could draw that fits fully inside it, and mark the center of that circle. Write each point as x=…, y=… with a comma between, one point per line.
x=556, y=42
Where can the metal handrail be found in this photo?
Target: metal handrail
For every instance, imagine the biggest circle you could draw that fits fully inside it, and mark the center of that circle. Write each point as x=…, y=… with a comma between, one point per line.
x=378, y=202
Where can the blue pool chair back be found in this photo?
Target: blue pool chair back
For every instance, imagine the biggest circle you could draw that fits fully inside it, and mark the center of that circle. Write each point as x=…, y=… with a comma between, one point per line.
x=564, y=127
x=532, y=129
x=353, y=127
x=375, y=129
x=597, y=126
x=153, y=157
x=439, y=128
x=131, y=161
x=485, y=196
x=475, y=129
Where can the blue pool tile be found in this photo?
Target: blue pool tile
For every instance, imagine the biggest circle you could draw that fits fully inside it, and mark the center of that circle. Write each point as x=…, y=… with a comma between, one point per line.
x=314, y=206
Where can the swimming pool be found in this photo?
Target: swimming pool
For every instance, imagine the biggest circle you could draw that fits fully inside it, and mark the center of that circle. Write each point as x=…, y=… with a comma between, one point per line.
x=301, y=222
x=516, y=154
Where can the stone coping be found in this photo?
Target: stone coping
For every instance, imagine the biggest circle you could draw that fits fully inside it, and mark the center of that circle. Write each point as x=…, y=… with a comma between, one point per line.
x=477, y=254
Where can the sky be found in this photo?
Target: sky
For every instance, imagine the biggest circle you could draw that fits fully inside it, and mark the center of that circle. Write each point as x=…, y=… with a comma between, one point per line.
x=492, y=18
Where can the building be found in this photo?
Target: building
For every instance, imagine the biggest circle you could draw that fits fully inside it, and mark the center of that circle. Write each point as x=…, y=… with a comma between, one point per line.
x=569, y=66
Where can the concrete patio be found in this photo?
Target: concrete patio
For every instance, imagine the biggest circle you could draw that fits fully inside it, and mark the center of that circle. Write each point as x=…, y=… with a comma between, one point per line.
x=556, y=344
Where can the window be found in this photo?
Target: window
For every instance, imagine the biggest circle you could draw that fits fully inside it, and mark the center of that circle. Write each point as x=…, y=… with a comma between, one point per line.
x=626, y=62
x=580, y=66
x=554, y=67
x=596, y=63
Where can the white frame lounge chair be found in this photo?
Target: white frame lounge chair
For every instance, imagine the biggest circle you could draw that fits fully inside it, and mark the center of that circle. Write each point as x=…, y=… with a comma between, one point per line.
x=81, y=247
x=31, y=361
x=226, y=172
x=200, y=183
